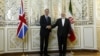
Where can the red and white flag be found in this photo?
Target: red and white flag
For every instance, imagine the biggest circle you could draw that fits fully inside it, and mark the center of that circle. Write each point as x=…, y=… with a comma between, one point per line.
x=72, y=37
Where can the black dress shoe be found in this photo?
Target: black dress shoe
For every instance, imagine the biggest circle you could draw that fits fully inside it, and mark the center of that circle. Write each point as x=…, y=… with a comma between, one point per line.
x=41, y=55
x=60, y=55
x=47, y=55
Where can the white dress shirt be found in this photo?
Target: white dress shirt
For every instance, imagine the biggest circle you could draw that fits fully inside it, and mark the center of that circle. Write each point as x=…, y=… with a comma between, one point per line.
x=63, y=21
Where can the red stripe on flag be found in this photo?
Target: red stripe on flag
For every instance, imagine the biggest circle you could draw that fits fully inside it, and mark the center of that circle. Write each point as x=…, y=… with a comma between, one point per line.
x=72, y=36
x=22, y=18
x=19, y=27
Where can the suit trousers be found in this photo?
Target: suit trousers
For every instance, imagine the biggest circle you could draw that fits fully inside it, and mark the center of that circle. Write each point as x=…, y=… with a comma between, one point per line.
x=44, y=44
x=62, y=43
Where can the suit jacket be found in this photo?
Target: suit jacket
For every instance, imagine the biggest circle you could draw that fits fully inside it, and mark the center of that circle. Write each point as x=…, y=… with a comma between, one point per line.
x=43, y=24
x=62, y=30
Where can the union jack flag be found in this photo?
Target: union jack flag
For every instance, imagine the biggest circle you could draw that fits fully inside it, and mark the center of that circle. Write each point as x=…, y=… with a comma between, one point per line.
x=22, y=27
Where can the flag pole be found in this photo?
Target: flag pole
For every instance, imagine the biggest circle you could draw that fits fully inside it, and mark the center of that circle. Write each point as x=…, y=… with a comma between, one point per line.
x=23, y=47
x=23, y=42
x=70, y=8
x=72, y=53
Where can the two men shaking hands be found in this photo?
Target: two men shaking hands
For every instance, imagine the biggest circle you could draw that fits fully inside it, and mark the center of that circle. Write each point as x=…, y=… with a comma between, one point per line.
x=63, y=30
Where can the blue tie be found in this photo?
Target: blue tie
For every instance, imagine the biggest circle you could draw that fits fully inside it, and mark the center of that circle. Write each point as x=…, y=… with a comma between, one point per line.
x=46, y=18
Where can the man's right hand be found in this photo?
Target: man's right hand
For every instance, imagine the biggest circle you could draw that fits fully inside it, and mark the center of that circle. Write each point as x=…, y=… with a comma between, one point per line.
x=48, y=27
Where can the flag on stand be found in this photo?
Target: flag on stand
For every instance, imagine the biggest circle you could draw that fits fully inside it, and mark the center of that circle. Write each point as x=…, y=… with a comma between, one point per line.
x=72, y=37
x=22, y=27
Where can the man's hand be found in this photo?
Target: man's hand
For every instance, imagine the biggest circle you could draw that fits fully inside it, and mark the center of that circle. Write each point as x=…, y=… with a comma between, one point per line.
x=48, y=27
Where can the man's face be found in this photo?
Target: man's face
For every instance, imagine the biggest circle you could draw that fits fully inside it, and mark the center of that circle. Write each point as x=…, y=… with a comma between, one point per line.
x=63, y=15
x=47, y=12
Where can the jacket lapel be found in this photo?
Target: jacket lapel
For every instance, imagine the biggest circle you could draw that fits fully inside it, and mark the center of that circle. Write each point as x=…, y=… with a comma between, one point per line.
x=45, y=19
x=65, y=22
x=61, y=22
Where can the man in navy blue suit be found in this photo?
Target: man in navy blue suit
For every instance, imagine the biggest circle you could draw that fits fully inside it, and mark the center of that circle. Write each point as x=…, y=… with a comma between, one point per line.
x=45, y=29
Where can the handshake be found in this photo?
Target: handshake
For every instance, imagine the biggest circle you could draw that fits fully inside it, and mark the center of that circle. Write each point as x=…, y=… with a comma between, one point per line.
x=48, y=27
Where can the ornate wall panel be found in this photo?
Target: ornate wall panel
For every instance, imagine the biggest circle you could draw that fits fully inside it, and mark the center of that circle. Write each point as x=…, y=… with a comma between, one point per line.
x=38, y=10
x=53, y=42
x=98, y=9
x=98, y=37
x=56, y=6
x=2, y=40
x=35, y=11
x=82, y=9
x=2, y=8
x=98, y=22
x=83, y=12
x=88, y=37
x=12, y=11
x=13, y=42
x=97, y=12
x=35, y=40
x=77, y=9
x=12, y=7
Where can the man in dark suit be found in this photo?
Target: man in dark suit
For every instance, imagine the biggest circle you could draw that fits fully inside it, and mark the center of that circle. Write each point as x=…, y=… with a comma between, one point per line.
x=45, y=22
x=63, y=30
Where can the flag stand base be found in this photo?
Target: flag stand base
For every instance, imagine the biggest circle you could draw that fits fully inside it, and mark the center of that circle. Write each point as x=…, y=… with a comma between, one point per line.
x=72, y=53
x=23, y=48
x=23, y=54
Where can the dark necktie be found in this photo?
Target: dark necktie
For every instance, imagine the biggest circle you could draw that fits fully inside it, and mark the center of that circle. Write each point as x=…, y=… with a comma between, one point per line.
x=47, y=19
